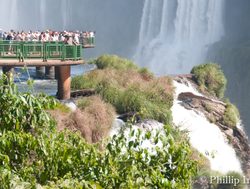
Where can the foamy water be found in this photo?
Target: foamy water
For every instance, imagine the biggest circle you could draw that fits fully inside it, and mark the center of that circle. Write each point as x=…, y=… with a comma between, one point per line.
x=206, y=137
x=154, y=127
x=44, y=85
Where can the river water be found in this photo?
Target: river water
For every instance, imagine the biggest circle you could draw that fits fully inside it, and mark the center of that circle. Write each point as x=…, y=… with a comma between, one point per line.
x=46, y=86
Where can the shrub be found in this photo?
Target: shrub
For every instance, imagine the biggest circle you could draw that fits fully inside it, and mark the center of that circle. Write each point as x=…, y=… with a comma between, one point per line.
x=113, y=61
x=64, y=159
x=210, y=78
x=131, y=91
x=94, y=119
x=231, y=115
x=52, y=159
x=146, y=74
x=23, y=111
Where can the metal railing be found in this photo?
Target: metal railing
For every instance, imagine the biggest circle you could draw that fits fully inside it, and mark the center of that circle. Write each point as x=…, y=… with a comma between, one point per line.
x=87, y=42
x=40, y=50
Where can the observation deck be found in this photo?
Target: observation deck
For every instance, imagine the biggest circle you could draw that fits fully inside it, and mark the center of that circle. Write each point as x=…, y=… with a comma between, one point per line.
x=49, y=54
x=21, y=52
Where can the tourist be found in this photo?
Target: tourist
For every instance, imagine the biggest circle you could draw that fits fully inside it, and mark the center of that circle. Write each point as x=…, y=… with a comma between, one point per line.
x=1, y=34
x=69, y=37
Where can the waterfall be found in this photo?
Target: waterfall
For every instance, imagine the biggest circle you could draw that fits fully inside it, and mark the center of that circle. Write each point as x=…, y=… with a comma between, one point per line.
x=63, y=13
x=13, y=14
x=8, y=9
x=66, y=12
x=175, y=35
x=206, y=137
x=43, y=14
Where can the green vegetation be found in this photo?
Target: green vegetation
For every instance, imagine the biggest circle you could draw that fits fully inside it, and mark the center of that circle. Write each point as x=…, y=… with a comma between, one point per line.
x=129, y=89
x=94, y=119
x=34, y=155
x=113, y=61
x=231, y=115
x=210, y=78
x=62, y=108
x=23, y=112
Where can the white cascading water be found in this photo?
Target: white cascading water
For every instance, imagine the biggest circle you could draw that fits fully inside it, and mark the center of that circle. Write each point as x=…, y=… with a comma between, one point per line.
x=66, y=13
x=206, y=137
x=175, y=35
x=8, y=8
x=43, y=14
x=13, y=14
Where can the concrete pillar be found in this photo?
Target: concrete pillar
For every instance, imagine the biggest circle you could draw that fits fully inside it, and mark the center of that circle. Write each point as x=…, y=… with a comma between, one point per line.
x=63, y=84
x=9, y=72
x=40, y=72
x=50, y=72
x=56, y=72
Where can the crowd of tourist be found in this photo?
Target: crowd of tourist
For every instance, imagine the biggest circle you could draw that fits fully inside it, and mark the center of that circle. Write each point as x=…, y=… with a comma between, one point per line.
x=69, y=37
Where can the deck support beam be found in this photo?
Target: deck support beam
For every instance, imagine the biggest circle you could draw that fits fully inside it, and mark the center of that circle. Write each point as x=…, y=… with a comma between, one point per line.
x=56, y=72
x=63, y=82
x=40, y=72
x=50, y=72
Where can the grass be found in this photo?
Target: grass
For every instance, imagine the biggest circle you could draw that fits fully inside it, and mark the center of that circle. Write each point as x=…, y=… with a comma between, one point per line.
x=113, y=61
x=93, y=119
x=231, y=115
x=210, y=78
x=63, y=108
x=129, y=89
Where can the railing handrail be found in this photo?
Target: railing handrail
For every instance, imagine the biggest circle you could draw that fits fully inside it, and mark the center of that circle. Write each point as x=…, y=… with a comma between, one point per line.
x=85, y=42
x=42, y=50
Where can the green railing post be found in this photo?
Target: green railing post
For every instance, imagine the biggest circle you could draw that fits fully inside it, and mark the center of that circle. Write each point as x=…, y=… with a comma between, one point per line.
x=40, y=50
x=75, y=52
x=63, y=52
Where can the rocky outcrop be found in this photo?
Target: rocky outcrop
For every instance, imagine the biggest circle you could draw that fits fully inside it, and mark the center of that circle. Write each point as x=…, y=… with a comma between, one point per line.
x=214, y=109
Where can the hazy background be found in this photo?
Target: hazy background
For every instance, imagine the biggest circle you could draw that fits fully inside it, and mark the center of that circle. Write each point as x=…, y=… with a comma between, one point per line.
x=233, y=54
x=116, y=22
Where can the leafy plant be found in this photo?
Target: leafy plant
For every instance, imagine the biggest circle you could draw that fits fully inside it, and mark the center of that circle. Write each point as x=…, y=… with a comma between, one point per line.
x=231, y=115
x=23, y=111
x=113, y=61
x=35, y=155
x=210, y=78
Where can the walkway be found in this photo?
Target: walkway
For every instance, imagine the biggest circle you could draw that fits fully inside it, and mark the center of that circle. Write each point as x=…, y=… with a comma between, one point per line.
x=48, y=54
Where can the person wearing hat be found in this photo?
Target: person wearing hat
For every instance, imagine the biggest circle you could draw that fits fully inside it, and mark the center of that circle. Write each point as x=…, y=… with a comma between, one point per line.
x=47, y=35
x=68, y=39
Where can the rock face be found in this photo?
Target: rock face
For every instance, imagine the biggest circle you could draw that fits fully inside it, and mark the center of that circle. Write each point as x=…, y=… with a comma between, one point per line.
x=213, y=109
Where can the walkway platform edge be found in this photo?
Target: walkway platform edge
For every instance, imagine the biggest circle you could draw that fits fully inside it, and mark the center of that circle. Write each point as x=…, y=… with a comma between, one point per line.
x=36, y=62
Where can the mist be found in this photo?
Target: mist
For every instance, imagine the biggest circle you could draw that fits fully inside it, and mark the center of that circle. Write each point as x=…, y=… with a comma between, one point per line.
x=232, y=52
x=116, y=22
x=175, y=35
